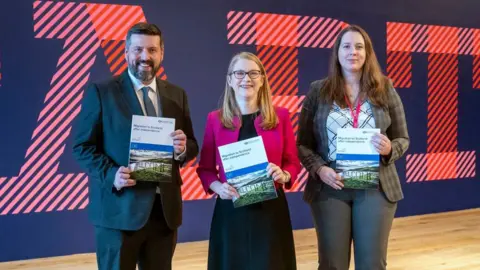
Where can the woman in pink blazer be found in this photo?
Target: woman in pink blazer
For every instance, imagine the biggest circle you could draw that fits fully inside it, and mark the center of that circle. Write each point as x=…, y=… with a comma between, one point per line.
x=256, y=236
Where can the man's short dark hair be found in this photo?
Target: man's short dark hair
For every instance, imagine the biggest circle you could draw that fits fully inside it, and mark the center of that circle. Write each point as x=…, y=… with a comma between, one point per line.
x=143, y=28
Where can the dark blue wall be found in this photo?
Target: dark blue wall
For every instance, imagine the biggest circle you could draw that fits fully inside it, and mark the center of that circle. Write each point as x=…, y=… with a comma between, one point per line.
x=197, y=55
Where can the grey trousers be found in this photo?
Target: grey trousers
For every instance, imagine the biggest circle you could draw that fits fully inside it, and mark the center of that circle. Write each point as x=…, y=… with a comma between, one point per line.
x=342, y=216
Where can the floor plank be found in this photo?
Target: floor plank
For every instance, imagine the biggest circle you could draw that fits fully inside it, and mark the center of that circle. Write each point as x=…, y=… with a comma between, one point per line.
x=444, y=241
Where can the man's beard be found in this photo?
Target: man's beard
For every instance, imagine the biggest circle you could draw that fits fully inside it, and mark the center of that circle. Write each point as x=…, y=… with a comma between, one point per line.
x=143, y=75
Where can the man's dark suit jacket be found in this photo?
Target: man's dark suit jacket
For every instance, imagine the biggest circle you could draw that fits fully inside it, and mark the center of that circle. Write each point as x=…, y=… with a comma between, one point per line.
x=101, y=146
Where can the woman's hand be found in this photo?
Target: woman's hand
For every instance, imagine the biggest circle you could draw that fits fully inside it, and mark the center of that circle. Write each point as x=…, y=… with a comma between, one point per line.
x=224, y=190
x=277, y=174
x=330, y=177
x=382, y=144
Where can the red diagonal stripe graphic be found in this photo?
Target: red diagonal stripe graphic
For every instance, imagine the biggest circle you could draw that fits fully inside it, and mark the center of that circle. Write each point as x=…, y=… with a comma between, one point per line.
x=118, y=63
x=420, y=38
x=237, y=22
x=53, y=21
x=233, y=21
x=117, y=53
x=250, y=25
x=461, y=156
x=73, y=52
x=109, y=19
x=400, y=65
x=463, y=161
x=290, y=87
x=311, y=29
x=230, y=14
x=450, y=44
x=446, y=164
x=36, y=3
x=251, y=32
x=108, y=46
x=399, y=37
x=329, y=25
x=408, y=166
x=71, y=78
x=68, y=18
x=303, y=25
x=280, y=87
x=6, y=188
x=81, y=197
x=270, y=55
x=470, y=168
x=332, y=35
x=84, y=204
x=33, y=172
x=416, y=165
x=53, y=194
x=448, y=141
x=405, y=77
x=280, y=31
x=73, y=195
x=64, y=193
x=47, y=16
x=74, y=25
x=441, y=117
x=136, y=17
x=58, y=102
x=438, y=94
x=476, y=72
x=279, y=70
x=405, y=38
x=393, y=32
x=24, y=179
x=465, y=40
x=118, y=29
x=55, y=146
x=35, y=191
x=318, y=29
x=264, y=33
x=291, y=34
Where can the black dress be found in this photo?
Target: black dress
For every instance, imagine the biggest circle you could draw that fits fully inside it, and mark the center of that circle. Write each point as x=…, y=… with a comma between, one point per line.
x=253, y=237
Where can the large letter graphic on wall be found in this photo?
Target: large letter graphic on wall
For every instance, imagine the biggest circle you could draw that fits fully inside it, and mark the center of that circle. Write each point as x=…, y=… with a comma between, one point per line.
x=84, y=28
x=443, y=45
x=278, y=38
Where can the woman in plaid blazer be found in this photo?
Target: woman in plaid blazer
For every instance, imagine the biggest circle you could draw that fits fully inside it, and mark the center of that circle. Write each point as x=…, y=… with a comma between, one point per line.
x=355, y=94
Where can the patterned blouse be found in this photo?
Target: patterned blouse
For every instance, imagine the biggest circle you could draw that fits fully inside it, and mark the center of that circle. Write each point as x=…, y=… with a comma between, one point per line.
x=342, y=118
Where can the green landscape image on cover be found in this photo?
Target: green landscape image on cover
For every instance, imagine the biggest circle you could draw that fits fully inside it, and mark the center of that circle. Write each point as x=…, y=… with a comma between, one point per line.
x=149, y=165
x=253, y=188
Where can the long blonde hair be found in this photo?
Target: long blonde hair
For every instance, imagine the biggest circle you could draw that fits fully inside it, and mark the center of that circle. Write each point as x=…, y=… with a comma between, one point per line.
x=229, y=108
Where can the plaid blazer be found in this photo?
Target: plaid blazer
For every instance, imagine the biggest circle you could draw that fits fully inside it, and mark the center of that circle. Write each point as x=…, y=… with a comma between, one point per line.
x=312, y=140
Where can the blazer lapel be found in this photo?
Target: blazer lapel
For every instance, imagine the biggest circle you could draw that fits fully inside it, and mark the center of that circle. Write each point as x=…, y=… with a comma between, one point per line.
x=227, y=136
x=129, y=94
x=378, y=115
x=161, y=89
x=320, y=122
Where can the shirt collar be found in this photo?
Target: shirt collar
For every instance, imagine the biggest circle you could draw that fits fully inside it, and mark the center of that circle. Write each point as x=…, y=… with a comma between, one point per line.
x=137, y=84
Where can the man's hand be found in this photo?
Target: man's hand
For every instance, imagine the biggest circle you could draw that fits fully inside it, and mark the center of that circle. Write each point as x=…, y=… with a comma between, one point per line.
x=122, y=178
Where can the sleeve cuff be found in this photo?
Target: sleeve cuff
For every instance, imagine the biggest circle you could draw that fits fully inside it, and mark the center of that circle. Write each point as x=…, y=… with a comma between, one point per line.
x=180, y=157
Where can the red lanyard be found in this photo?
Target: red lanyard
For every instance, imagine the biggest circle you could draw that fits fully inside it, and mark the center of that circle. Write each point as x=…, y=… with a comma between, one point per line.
x=355, y=114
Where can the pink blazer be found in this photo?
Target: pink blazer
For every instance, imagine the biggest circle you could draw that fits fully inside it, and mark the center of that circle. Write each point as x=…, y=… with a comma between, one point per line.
x=279, y=144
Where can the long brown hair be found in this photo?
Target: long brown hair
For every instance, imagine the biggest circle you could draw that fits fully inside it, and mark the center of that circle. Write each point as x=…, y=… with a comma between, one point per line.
x=373, y=83
x=229, y=108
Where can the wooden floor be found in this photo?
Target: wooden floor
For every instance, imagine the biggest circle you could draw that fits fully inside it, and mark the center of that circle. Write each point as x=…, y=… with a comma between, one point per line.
x=430, y=242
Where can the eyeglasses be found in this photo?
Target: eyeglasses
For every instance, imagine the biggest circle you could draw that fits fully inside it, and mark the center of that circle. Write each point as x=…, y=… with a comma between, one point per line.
x=240, y=74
